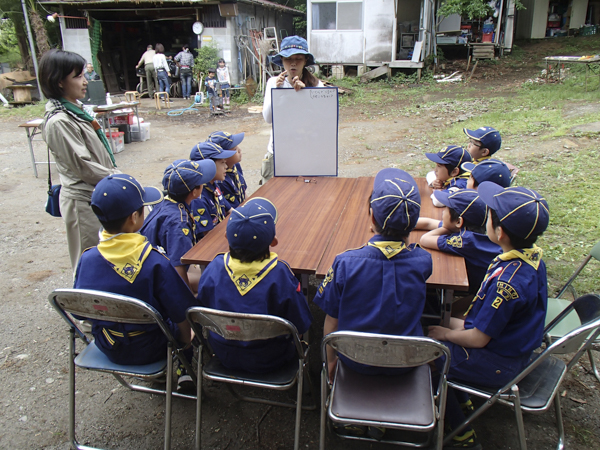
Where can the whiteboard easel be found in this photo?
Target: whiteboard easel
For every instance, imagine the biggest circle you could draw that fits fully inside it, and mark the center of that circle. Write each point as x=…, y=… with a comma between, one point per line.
x=305, y=131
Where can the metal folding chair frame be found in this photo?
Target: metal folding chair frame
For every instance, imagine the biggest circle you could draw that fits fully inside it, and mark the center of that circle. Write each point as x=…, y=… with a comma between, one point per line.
x=510, y=393
x=115, y=308
x=385, y=351
x=247, y=327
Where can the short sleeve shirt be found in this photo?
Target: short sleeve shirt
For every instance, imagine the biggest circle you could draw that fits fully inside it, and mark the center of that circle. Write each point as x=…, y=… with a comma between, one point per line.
x=234, y=186
x=210, y=209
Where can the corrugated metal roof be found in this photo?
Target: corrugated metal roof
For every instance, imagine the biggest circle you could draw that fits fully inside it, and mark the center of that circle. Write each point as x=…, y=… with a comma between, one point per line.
x=136, y=4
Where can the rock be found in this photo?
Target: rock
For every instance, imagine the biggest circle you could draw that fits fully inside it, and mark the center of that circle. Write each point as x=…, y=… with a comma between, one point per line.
x=462, y=118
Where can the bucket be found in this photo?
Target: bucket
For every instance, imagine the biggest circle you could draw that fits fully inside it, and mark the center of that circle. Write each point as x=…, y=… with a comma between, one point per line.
x=126, y=129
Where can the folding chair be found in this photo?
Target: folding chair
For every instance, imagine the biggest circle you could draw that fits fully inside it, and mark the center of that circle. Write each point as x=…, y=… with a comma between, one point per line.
x=248, y=327
x=536, y=386
x=99, y=305
x=558, y=304
x=404, y=402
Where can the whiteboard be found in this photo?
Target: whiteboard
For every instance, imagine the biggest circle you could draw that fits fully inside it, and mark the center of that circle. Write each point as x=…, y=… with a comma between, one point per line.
x=305, y=131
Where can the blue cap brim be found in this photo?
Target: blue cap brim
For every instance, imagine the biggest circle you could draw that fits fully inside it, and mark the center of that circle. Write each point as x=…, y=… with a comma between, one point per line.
x=442, y=197
x=468, y=166
x=152, y=196
x=435, y=158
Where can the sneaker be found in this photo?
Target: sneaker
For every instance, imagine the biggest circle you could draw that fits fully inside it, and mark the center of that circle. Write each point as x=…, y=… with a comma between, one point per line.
x=185, y=383
x=376, y=433
x=349, y=430
x=466, y=440
x=467, y=408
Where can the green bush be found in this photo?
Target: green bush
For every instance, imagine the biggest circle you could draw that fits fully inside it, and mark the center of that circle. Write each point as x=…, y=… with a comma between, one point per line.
x=207, y=58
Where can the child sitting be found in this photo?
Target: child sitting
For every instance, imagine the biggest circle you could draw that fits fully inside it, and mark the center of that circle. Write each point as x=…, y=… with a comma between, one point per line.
x=234, y=186
x=462, y=232
x=251, y=279
x=448, y=173
x=211, y=208
x=125, y=263
x=211, y=82
x=170, y=226
x=380, y=287
x=490, y=170
x=483, y=143
x=505, y=322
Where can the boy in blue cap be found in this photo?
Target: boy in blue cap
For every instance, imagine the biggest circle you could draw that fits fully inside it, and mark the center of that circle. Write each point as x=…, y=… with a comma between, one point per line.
x=489, y=170
x=170, y=226
x=125, y=263
x=505, y=322
x=380, y=287
x=251, y=279
x=234, y=186
x=462, y=232
x=212, y=207
x=448, y=173
x=483, y=143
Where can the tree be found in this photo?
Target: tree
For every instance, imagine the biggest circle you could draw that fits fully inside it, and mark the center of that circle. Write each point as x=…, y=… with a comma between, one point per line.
x=473, y=9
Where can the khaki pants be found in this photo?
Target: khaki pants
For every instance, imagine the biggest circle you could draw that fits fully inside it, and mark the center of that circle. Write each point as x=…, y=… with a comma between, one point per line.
x=82, y=227
x=268, y=168
x=151, y=80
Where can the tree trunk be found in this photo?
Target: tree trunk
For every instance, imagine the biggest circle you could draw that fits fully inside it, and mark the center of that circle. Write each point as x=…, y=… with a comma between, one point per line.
x=41, y=37
x=22, y=41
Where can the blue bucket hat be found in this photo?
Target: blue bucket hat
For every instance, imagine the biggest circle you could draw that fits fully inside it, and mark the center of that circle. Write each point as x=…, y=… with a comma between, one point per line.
x=467, y=204
x=293, y=45
x=488, y=136
x=522, y=211
x=251, y=226
x=489, y=170
x=225, y=140
x=209, y=150
x=119, y=195
x=453, y=154
x=395, y=201
x=183, y=175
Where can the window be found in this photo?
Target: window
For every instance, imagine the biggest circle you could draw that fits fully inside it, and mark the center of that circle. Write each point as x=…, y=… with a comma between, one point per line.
x=340, y=15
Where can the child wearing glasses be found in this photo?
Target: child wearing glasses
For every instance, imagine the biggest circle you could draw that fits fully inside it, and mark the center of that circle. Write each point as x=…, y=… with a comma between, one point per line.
x=483, y=143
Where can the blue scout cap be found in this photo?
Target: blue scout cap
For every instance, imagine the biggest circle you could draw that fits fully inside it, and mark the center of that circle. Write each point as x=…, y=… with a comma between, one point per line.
x=489, y=170
x=396, y=202
x=522, y=211
x=453, y=154
x=488, y=136
x=209, y=150
x=119, y=195
x=466, y=202
x=225, y=140
x=251, y=226
x=183, y=175
x=293, y=45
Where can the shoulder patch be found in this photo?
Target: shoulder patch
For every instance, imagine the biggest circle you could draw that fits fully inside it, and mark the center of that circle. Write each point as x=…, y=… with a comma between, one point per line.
x=186, y=231
x=204, y=222
x=201, y=210
x=328, y=279
x=506, y=291
x=455, y=241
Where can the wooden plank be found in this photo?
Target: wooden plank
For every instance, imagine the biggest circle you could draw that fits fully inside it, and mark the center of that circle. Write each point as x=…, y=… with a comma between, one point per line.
x=379, y=71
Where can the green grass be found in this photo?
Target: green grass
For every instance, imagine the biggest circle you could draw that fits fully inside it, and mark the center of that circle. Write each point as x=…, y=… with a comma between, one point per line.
x=28, y=112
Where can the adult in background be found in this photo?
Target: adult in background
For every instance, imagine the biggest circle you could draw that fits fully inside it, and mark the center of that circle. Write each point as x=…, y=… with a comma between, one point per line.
x=162, y=68
x=294, y=58
x=147, y=60
x=90, y=74
x=82, y=153
x=186, y=63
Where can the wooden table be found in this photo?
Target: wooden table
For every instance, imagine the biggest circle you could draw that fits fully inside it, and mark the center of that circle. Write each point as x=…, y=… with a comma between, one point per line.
x=33, y=129
x=321, y=217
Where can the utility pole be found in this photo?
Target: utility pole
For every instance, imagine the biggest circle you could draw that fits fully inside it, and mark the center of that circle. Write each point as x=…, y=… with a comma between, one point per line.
x=32, y=48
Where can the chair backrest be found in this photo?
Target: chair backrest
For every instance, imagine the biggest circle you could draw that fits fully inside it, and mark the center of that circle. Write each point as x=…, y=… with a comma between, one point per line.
x=587, y=308
x=383, y=350
x=241, y=326
x=106, y=306
x=595, y=251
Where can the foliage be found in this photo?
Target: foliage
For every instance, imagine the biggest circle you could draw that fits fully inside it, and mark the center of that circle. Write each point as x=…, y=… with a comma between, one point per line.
x=300, y=26
x=473, y=9
x=8, y=39
x=207, y=58
x=24, y=113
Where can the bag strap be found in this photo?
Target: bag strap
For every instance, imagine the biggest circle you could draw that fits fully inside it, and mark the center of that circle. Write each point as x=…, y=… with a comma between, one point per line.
x=49, y=173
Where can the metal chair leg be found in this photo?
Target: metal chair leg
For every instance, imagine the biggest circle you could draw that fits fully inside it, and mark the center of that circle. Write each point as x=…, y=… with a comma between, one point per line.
x=299, y=395
x=72, y=388
x=519, y=416
x=169, y=396
x=559, y=423
x=199, y=399
x=323, y=407
x=593, y=364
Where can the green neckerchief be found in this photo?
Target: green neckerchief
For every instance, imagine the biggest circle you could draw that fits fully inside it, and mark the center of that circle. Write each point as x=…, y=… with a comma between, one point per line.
x=83, y=115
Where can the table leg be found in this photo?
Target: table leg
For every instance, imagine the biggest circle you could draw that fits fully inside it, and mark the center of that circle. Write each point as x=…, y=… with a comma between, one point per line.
x=137, y=116
x=29, y=141
x=107, y=127
x=447, y=300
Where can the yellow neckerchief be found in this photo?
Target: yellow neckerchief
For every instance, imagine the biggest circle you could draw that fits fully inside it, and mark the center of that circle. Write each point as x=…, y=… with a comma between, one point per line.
x=238, y=183
x=531, y=256
x=389, y=248
x=218, y=206
x=247, y=275
x=463, y=176
x=190, y=223
x=483, y=158
x=125, y=252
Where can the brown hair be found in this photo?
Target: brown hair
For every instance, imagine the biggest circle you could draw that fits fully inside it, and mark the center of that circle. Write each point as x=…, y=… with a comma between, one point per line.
x=159, y=48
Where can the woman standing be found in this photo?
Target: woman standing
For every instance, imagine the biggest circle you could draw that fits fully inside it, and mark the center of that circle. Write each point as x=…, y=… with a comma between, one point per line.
x=82, y=153
x=162, y=68
x=294, y=57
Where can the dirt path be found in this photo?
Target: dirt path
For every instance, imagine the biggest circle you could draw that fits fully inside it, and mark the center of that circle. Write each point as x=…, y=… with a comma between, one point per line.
x=33, y=259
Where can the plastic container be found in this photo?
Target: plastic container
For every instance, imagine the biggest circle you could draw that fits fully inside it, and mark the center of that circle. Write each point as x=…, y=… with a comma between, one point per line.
x=125, y=128
x=487, y=37
x=140, y=133
x=118, y=139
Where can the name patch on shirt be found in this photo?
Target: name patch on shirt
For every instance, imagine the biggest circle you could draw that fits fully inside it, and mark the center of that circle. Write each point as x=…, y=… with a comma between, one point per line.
x=506, y=291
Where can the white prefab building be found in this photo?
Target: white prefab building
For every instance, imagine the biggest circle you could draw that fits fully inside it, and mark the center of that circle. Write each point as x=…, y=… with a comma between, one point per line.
x=370, y=32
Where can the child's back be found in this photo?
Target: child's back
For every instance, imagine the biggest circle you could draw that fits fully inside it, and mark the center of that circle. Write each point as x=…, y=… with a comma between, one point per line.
x=242, y=281
x=381, y=287
x=124, y=262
